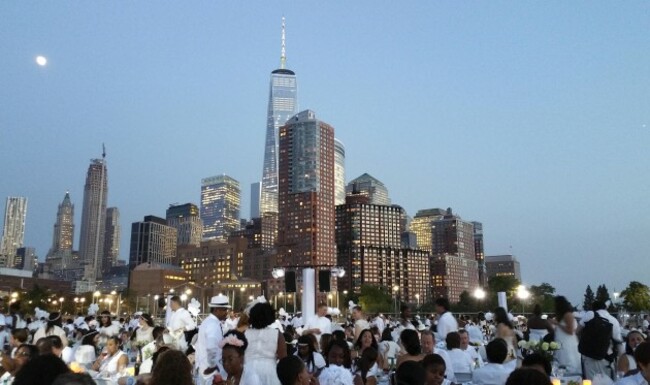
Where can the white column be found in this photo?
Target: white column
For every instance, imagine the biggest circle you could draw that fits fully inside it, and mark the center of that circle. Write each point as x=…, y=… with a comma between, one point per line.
x=503, y=302
x=308, y=293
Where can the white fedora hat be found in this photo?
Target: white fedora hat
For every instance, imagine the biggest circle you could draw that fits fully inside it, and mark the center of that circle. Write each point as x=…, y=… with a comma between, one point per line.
x=219, y=301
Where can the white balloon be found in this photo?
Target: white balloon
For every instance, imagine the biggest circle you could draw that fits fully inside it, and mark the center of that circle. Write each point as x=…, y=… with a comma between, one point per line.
x=41, y=60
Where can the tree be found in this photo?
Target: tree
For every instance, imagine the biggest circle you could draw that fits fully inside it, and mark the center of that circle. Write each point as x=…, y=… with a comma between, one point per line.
x=373, y=299
x=602, y=294
x=636, y=297
x=506, y=283
x=544, y=296
x=589, y=298
x=465, y=303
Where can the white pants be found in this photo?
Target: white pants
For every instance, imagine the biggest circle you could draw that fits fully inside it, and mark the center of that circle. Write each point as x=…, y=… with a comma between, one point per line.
x=593, y=367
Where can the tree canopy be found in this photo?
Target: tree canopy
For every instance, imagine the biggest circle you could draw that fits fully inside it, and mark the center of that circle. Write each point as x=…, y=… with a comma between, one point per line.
x=636, y=297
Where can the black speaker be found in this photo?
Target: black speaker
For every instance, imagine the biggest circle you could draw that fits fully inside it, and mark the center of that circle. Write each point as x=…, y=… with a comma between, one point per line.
x=290, y=281
x=324, y=277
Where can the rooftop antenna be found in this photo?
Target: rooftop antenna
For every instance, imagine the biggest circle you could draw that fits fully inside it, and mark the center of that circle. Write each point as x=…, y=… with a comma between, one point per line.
x=283, y=55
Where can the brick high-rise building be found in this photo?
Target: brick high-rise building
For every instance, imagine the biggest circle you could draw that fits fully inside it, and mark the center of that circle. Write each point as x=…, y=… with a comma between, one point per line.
x=213, y=261
x=306, y=192
x=368, y=241
x=454, y=268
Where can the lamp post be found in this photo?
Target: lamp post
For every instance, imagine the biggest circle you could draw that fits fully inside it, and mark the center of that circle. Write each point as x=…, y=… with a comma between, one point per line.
x=155, y=307
x=82, y=300
x=96, y=296
x=479, y=294
x=417, y=298
x=522, y=294
x=61, y=301
x=395, y=290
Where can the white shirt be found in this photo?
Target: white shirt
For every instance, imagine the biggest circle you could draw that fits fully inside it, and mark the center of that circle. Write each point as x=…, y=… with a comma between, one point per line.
x=636, y=379
x=318, y=364
x=449, y=370
x=296, y=322
x=473, y=355
x=490, y=374
x=359, y=326
x=616, y=327
x=54, y=331
x=379, y=323
x=208, y=352
x=322, y=323
x=181, y=320
x=460, y=361
x=446, y=324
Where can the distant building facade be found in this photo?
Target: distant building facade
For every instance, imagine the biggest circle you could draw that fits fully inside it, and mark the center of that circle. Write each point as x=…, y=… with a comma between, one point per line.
x=503, y=266
x=213, y=261
x=152, y=241
x=111, y=239
x=479, y=251
x=256, y=191
x=369, y=247
x=93, y=219
x=26, y=259
x=220, y=205
x=283, y=104
x=155, y=278
x=421, y=226
x=187, y=222
x=63, y=238
x=371, y=187
x=13, y=231
x=339, y=172
x=306, y=192
x=454, y=268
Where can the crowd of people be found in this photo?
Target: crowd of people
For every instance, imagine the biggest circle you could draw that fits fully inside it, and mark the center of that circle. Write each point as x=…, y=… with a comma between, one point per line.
x=259, y=346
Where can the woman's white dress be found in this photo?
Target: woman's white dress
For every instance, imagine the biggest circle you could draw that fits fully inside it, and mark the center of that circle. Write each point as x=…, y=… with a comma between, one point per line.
x=260, y=355
x=568, y=354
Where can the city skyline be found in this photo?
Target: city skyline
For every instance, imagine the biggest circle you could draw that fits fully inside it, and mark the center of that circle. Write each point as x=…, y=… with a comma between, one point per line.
x=531, y=119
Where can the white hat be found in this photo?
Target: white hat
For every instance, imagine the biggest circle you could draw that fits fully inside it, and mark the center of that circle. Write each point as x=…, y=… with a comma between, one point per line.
x=219, y=301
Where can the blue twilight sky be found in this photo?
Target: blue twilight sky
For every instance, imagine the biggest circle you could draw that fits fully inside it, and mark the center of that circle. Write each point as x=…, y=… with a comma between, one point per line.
x=531, y=117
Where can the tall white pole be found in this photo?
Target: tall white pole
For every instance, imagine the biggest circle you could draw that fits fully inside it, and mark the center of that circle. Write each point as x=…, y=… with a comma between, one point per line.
x=308, y=293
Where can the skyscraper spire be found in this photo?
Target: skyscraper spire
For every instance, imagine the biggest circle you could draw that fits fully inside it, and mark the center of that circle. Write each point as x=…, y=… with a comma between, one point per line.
x=283, y=55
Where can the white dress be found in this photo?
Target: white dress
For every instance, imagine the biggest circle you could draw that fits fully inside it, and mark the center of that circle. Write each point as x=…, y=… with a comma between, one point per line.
x=260, y=355
x=568, y=354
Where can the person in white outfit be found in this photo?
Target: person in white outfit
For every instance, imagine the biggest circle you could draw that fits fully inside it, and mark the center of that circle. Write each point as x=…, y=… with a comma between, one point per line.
x=591, y=366
x=446, y=321
x=494, y=372
x=266, y=345
x=428, y=343
x=181, y=321
x=208, y=352
x=318, y=324
x=52, y=328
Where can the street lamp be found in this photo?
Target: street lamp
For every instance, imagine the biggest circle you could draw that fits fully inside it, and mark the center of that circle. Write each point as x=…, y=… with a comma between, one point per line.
x=83, y=300
x=155, y=298
x=395, y=290
x=479, y=294
x=61, y=301
x=96, y=296
x=417, y=298
x=522, y=294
